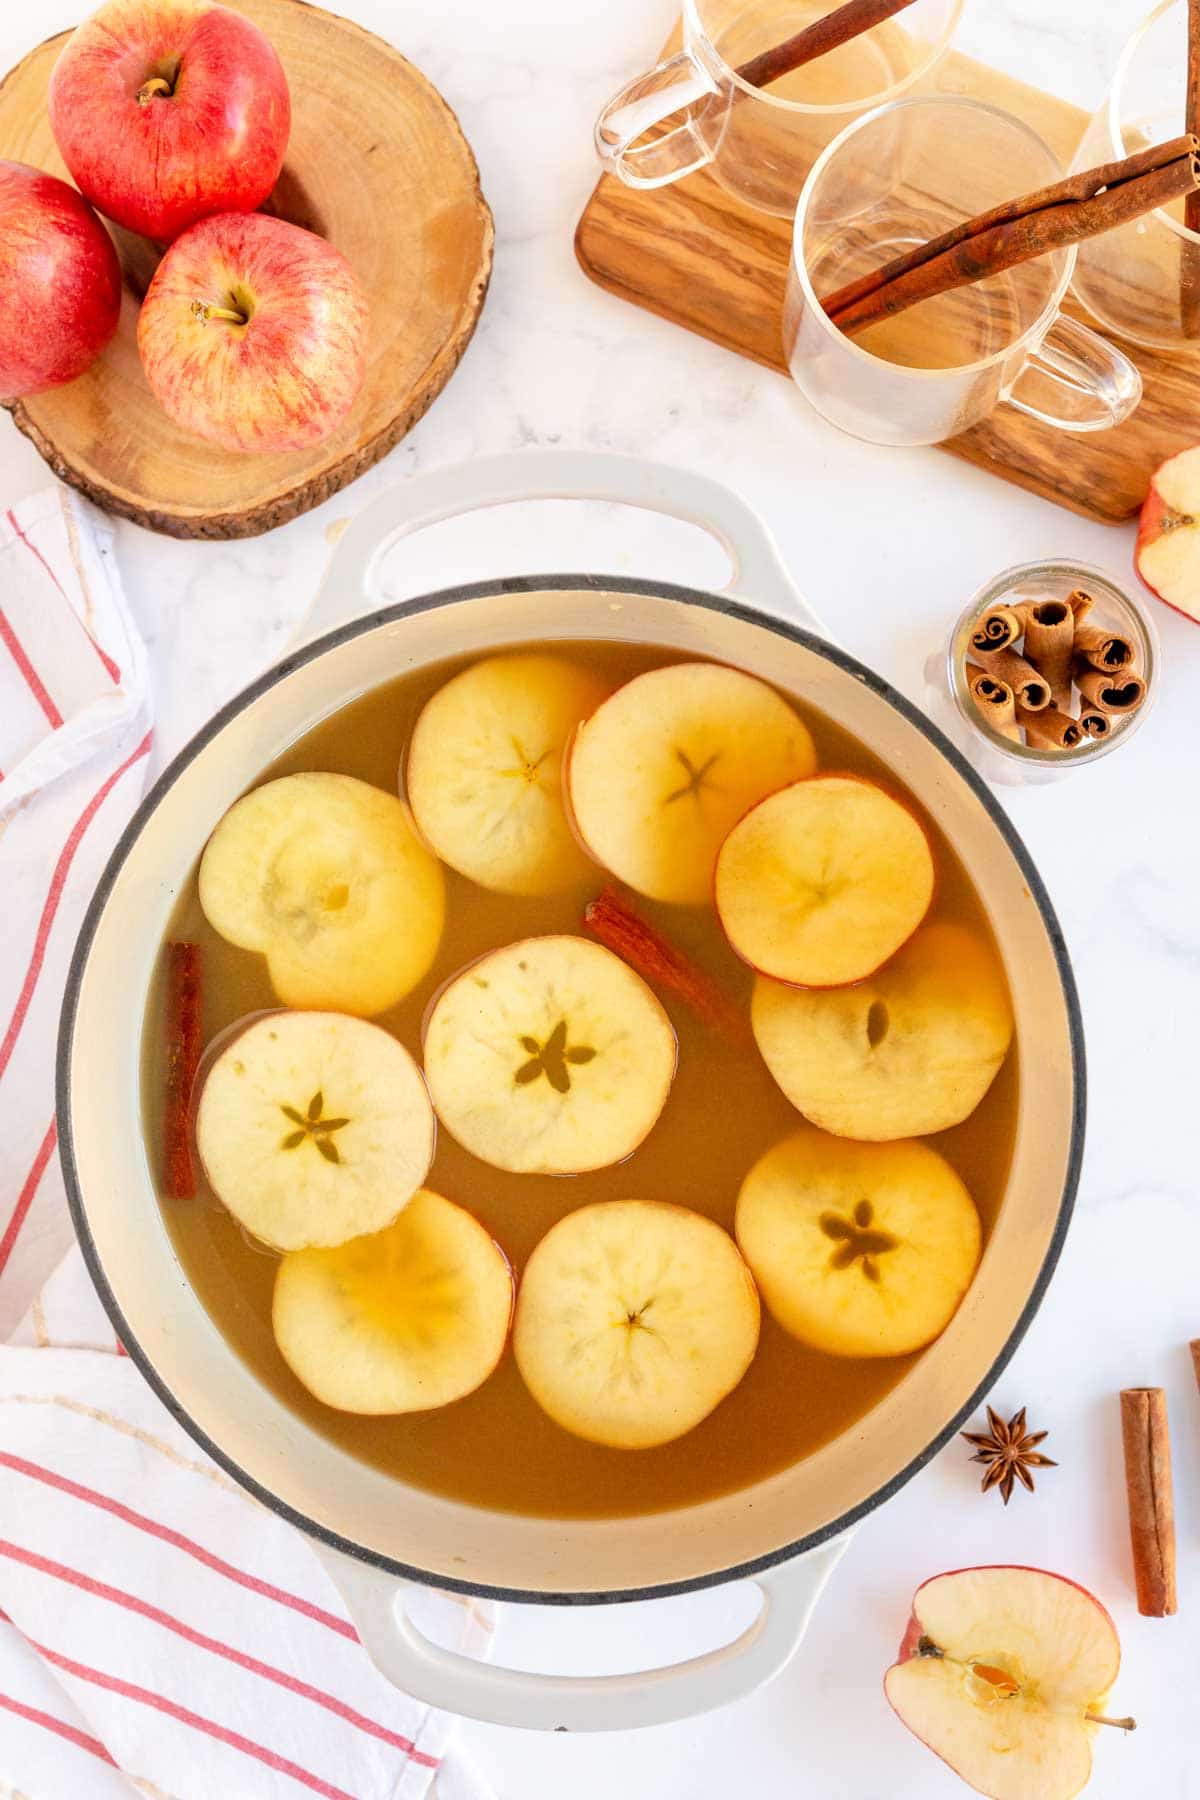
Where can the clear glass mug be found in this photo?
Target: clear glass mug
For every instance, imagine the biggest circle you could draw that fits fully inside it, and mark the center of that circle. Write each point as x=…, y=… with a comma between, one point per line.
x=760, y=143
x=1130, y=278
x=901, y=175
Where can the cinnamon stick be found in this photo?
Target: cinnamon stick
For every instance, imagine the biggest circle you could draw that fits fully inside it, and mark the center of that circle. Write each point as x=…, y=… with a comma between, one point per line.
x=655, y=958
x=1189, y=253
x=1049, y=638
x=818, y=39
x=1081, y=206
x=1103, y=649
x=1095, y=723
x=1050, y=729
x=184, y=1029
x=1031, y=691
x=1080, y=604
x=998, y=629
x=1121, y=693
x=1147, y=1447
x=995, y=702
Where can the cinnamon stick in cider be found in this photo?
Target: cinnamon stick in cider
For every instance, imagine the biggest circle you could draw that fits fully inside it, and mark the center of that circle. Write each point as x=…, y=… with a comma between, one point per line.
x=184, y=1029
x=1082, y=206
x=659, y=962
x=1147, y=1446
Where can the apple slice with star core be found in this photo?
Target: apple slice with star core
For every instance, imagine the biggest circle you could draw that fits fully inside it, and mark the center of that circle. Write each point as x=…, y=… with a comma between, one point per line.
x=313, y=1127
x=550, y=1056
x=660, y=772
x=402, y=1320
x=634, y=1320
x=858, y=1249
x=326, y=878
x=484, y=772
x=1004, y=1672
x=820, y=883
x=911, y=1050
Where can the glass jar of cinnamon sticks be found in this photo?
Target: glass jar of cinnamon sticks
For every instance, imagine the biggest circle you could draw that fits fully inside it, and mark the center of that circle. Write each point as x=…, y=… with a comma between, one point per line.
x=1050, y=666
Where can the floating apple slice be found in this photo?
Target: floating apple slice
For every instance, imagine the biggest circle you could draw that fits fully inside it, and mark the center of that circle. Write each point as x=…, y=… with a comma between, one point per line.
x=912, y=1049
x=403, y=1320
x=1004, y=1672
x=858, y=1249
x=549, y=1057
x=313, y=1127
x=822, y=882
x=1167, y=555
x=662, y=770
x=484, y=772
x=326, y=877
x=634, y=1320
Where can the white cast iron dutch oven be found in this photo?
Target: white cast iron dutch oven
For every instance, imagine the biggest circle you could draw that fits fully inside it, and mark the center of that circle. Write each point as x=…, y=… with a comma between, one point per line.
x=375, y=1533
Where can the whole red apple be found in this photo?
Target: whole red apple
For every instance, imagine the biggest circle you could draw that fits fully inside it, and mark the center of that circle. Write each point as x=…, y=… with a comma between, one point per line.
x=253, y=333
x=60, y=282
x=166, y=111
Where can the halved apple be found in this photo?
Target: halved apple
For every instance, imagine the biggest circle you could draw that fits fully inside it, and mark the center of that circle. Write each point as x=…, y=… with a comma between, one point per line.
x=820, y=883
x=313, y=1127
x=405, y=1319
x=1167, y=553
x=484, y=772
x=634, y=1320
x=858, y=1249
x=1004, y=1673
x=910, y=1050
x=660, y=772
x=326, y=877
x=549, y=1056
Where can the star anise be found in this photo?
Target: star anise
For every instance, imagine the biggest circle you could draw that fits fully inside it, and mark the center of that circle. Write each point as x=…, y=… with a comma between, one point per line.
x=1009, y=1451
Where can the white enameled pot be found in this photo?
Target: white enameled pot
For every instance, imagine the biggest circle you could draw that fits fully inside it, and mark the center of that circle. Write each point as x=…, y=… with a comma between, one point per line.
x=376, y=1534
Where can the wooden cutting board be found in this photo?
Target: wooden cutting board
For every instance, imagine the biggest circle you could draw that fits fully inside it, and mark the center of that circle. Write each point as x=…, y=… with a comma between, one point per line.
x=376, y=163
x=693, y=254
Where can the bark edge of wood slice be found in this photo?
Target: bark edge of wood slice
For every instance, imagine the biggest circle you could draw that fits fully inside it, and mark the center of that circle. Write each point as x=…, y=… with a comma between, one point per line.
x=377, y=163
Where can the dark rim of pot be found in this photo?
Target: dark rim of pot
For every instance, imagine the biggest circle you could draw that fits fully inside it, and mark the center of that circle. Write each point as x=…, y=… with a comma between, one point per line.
x=566, y=584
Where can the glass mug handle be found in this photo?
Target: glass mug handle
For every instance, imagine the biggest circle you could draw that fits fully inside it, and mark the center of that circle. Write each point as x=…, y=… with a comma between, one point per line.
x=1093, y=384
x=673, y=85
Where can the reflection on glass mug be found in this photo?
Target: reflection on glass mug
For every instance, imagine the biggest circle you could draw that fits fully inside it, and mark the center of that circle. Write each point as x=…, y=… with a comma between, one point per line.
x=896, y=178
x=1132, y=279
x=761, y=143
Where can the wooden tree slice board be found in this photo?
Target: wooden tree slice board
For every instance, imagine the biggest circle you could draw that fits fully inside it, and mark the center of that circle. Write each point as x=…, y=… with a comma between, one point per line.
x=695, y=255
x=376, y=163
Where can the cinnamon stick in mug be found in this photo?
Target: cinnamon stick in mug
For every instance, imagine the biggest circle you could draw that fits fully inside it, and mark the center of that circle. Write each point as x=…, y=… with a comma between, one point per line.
x=1147, y=1446
x=1050, y=729
x=994, y=701
x=1027, y=685
x=999, y=629
x=1049, y=637
x=818, y=39
x=1103, y=649
x=1082, y=206
x=1121, y=693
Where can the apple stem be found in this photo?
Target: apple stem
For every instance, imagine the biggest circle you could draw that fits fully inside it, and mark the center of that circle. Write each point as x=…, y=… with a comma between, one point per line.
x=150, y=89
x=204, y=311
x=1121, y=1724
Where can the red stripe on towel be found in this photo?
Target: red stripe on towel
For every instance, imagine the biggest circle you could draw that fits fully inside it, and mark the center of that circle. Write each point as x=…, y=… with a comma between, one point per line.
x=102, y=1591
x=58, y=882
x=25, y=1197
x=29, y=544
x=128, y=1690
x=33, y=680
x=188, y=1545
x=72, y=1733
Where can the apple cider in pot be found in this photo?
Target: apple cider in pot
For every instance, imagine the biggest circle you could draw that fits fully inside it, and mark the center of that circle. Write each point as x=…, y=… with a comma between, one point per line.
x=580, y=1081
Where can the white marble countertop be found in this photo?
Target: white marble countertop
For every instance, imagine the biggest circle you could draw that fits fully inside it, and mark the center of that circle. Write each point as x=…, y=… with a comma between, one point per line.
x=889, y=545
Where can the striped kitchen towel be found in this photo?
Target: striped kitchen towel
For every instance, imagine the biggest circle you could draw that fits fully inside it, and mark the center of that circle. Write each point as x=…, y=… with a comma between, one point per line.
x=160, y=1632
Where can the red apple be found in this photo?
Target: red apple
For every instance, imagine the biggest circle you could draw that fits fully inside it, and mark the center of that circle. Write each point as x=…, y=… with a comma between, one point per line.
x=253, y=333
x=168, y=110
x=1003, y=1672
x=60, y=282
x=1167, y=555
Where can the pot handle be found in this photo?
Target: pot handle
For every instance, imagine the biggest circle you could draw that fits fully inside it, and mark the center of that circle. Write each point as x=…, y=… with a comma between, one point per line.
x=352, y=586
x=477, y=1690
